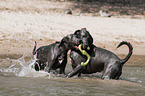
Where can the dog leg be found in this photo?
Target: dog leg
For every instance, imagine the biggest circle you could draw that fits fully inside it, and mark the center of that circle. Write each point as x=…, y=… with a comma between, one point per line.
x=37, y=66
x=62, y=67
x=107, y=71
x=77, y=70
x=112, y=71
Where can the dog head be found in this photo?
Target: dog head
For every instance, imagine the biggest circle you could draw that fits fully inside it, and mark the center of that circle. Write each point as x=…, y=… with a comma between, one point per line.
x=71, y=41
x=85, y=36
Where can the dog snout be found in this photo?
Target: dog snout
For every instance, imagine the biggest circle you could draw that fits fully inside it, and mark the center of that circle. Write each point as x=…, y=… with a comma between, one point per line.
x=85, y=46
x=86, y=43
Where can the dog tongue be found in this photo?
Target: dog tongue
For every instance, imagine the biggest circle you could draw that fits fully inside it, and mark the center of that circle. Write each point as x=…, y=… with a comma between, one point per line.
x=83, y=47
x=76, y=47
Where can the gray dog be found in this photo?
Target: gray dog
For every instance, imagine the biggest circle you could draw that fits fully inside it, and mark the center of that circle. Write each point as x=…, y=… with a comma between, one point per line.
x=54, y=56
x=101, y=60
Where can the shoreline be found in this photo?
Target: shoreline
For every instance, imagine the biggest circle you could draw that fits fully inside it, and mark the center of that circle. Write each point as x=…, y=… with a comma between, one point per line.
x=134, y=61
x=18, y=31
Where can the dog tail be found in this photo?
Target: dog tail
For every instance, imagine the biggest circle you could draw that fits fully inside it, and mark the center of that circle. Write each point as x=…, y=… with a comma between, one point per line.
x=34, y=50
x=130, y=51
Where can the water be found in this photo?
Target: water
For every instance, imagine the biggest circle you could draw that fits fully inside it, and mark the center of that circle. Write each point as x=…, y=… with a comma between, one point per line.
x=18, y=78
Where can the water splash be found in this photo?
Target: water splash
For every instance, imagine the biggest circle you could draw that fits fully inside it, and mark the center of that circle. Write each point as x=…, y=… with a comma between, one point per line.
x=21, y=68
x=28, y=71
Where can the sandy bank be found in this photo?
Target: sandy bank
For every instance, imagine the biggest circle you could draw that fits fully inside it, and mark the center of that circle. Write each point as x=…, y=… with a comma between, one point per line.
x=19, y=30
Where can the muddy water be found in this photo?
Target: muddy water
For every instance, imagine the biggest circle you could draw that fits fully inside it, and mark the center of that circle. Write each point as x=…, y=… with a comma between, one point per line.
x=17, y=78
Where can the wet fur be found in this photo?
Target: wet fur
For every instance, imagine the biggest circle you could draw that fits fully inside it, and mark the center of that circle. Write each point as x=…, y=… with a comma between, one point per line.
x=54, y=56
x=101, y=60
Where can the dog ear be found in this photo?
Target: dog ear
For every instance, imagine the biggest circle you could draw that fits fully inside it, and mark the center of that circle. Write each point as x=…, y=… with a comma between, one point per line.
x=91, y=39
x=77, y=32
x=63, y=40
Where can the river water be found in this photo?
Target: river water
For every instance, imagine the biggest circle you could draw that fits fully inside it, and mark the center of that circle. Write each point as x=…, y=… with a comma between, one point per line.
x=17, y=78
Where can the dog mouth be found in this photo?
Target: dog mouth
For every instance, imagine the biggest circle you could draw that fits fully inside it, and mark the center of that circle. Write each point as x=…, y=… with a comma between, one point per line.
x=76, y=47
x=83, y=47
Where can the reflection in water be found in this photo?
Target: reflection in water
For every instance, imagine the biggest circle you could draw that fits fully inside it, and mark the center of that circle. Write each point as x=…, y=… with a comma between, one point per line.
x=17, y=77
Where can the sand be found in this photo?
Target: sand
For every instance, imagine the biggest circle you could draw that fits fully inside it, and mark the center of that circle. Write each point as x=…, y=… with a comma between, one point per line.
x=20, y=28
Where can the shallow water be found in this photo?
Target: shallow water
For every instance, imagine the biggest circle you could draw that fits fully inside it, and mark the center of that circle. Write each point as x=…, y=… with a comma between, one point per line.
x=17, y=78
